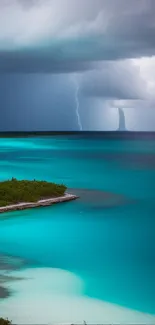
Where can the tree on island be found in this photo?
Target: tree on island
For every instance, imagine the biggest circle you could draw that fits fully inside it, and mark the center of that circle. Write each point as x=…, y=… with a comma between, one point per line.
x=14, y=191
x=5, y=321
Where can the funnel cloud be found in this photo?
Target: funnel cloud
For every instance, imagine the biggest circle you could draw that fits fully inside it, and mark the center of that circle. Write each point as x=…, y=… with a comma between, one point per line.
x=122, y=122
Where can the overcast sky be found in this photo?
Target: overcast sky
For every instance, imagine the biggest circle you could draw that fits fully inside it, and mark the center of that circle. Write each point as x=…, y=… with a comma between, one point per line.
x=69, y=64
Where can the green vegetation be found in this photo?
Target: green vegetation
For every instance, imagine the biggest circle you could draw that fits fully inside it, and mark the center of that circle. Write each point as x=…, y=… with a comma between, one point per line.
x=14, y=191
x=5, y=321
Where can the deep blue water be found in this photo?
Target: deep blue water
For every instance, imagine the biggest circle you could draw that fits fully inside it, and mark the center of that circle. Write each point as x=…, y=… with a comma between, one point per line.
x=107, y=237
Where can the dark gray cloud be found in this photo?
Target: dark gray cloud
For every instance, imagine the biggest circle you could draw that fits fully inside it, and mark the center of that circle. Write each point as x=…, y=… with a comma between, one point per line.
x=79, y=33
x=34, y=62
x=114, y=80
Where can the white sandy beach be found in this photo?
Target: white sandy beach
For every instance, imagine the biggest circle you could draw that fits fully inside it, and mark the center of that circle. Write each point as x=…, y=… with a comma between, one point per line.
x=47, y=202
x=48, y=296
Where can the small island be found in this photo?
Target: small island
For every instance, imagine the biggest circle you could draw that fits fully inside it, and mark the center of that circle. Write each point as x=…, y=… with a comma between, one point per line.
x=5, y=321
x=24, y=194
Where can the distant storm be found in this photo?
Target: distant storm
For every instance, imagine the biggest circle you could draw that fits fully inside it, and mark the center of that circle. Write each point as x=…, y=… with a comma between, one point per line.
x=73, y=64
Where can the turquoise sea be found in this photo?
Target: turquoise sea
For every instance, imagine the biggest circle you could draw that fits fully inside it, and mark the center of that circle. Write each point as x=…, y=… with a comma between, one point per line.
x=92, y=259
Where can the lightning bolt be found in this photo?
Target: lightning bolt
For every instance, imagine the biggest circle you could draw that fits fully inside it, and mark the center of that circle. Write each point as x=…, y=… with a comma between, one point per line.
x=77, y=90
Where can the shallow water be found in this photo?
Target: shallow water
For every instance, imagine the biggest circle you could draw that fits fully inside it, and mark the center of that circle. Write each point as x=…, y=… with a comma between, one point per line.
x=94, y=258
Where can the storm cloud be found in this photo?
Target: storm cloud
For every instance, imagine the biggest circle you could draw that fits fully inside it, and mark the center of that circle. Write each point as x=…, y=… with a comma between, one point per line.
x=51, y=36
x=115, y=80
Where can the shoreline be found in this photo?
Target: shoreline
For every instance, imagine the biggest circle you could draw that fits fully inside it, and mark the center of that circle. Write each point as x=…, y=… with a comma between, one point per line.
x=41, y=203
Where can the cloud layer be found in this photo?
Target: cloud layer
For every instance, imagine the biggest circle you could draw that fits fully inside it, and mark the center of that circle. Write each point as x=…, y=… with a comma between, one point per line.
x=46, y=35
